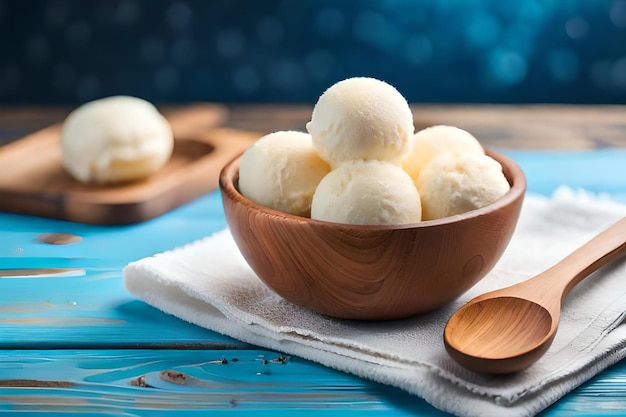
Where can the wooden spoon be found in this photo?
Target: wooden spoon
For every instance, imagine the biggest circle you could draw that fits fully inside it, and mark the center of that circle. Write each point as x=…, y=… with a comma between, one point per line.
x=507, y=330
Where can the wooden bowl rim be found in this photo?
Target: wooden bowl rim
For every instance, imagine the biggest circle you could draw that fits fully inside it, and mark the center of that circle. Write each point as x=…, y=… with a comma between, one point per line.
x=229, y=176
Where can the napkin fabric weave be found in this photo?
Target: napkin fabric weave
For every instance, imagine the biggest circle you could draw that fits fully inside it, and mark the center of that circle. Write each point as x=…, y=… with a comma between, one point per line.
x=208, y=283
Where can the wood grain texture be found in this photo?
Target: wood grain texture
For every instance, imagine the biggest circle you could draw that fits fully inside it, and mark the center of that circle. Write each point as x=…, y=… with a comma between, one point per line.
x=372, y=272
x=34, y=181
x=507, y=330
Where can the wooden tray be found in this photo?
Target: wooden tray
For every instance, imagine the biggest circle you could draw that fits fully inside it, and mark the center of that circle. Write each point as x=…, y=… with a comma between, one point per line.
x=33, y=181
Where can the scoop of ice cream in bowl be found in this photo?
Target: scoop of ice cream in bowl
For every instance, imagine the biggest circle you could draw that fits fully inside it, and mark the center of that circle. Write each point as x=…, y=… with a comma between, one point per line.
x=354, y=236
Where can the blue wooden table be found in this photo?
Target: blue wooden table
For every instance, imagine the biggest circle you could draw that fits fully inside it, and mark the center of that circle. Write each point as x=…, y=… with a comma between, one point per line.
x=73, y=340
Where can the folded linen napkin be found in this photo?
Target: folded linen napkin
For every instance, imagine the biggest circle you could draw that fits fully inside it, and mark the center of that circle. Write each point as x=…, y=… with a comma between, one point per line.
x=209, y=283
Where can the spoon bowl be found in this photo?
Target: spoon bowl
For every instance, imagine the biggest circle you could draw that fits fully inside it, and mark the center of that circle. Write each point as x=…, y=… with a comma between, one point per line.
x=507, y=330
x=521, y=323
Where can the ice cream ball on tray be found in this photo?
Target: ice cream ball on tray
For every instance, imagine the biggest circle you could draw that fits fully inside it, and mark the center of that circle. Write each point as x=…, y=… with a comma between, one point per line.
x=114, y=140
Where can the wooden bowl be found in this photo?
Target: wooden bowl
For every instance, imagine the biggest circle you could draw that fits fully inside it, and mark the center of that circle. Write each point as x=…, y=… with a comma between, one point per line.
x=371, y=272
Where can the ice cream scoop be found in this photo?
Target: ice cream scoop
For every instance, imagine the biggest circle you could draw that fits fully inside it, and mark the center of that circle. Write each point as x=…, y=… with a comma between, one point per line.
x=115, y=139
x=455, y=184
x=367, y=192
x=361, y=118
x=281, y=171
x=432, y=142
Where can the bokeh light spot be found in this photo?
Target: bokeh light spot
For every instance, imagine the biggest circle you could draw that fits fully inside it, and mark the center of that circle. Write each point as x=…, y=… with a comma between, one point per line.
x=601, y=75
x=617, y=13
x=371, y=27
x=563, y=65
x=507, y=67
x=577, y=28
x=618, y=73
x=483, y=30
x=230, y=42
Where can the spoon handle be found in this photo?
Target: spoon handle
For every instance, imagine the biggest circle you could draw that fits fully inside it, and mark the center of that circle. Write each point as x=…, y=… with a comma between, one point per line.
x=600, y=250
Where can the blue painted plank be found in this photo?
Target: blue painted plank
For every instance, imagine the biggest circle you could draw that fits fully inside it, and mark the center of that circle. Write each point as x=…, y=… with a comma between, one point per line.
x=106, y=246
x=148, y=382
x=88, y=310
x=91, y=306
x=603, y=395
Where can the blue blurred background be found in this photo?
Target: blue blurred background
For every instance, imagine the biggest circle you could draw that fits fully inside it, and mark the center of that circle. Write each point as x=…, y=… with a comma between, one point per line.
x=482, y=51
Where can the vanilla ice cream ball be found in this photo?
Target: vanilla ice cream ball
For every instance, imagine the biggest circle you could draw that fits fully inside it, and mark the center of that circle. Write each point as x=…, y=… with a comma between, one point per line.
x=115, y=139
x=361, y=118
x=367, y=192
x=435, y=141
x=281, y=171
x=455, y=184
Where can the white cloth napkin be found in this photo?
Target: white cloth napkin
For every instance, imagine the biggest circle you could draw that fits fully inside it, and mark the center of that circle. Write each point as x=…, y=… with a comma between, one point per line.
x=209, y=283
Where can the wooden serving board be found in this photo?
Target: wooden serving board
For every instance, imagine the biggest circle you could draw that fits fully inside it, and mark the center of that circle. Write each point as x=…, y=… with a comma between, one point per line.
x=34, y=182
